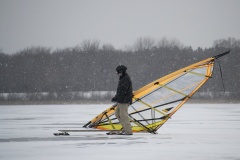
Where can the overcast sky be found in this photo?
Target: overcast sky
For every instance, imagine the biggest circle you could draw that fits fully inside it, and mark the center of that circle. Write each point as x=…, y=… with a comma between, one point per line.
x=66, y=23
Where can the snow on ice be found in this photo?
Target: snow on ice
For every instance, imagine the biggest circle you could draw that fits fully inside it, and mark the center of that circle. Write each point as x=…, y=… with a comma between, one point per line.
x=196, y=131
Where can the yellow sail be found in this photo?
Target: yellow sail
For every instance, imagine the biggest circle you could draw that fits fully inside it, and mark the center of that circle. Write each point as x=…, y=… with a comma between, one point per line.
x=156, y=102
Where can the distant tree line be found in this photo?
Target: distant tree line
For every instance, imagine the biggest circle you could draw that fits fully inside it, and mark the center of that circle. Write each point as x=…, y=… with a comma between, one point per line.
x=90, y=66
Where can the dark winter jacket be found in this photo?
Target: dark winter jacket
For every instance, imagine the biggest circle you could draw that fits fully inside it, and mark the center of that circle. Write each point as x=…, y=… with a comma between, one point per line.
x=124, y=90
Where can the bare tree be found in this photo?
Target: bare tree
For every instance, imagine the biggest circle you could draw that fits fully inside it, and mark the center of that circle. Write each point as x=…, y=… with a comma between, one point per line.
x=144, y=43
x=108, y=47
x=90, y=45
x=172, y=43
x=128, y=48
x=227, y=43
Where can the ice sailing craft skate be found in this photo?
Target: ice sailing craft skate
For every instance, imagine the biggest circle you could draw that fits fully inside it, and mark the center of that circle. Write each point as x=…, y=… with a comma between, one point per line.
x=156, y=102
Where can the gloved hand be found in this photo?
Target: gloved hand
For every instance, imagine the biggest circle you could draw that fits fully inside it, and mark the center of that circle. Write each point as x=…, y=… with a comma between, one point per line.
x=114, y=99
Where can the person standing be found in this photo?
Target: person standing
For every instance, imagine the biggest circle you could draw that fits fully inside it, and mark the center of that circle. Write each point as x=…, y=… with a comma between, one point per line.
x=123, y=98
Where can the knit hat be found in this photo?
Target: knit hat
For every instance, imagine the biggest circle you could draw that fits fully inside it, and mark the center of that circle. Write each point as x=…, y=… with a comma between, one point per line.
x=121, y=69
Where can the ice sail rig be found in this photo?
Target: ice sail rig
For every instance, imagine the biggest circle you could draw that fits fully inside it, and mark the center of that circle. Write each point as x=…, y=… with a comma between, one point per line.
x=156, y=102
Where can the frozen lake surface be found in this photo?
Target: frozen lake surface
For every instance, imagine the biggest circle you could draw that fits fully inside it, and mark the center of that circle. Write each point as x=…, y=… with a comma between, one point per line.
x=196, y=131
